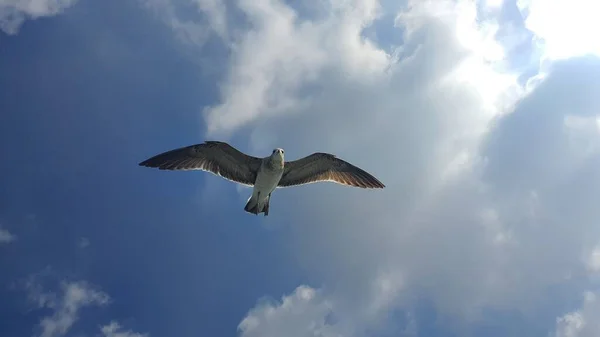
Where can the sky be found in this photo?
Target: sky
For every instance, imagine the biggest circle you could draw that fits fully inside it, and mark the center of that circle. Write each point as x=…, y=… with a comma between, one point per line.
x=481, y=118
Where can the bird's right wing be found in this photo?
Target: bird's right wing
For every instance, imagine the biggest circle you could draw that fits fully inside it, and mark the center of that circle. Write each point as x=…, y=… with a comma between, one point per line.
x=218, y=158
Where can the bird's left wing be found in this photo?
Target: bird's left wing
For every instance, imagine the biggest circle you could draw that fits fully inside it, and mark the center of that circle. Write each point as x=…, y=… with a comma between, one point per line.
x=218, y=158
x=326, y=167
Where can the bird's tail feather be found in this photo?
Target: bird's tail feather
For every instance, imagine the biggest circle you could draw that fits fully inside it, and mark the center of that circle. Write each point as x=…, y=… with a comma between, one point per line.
x=252, y=206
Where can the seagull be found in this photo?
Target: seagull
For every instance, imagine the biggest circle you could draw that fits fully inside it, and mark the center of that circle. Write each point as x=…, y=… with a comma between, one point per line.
x=263, y=174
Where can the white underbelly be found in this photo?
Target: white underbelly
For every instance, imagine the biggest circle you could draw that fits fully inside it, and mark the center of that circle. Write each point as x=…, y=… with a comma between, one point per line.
x=265, y=184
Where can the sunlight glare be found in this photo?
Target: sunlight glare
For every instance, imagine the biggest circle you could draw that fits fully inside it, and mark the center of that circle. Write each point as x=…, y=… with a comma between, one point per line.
x=565, y=28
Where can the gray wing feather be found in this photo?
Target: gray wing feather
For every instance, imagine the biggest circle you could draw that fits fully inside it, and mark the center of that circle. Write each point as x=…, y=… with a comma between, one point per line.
x=326, y=167
x=218, y=158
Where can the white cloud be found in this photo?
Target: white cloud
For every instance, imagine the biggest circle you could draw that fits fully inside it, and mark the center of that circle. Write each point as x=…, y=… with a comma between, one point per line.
x=66, y=306
x=6, y=236
x=309, y=312
x=563, y=28
x=14, y=12
x=493, y=4
x=114, y=329
x=303, y=313
x=583, y=322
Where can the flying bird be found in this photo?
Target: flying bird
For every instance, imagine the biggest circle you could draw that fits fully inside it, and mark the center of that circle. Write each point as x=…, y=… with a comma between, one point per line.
x=263, y=174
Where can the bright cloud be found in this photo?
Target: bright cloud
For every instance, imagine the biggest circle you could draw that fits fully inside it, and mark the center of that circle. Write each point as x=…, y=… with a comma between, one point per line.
x=14, y=12
x=563, y=28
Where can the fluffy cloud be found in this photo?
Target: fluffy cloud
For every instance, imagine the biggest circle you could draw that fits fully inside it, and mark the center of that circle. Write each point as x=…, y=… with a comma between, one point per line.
x=583, y=322
x=491, y=182
x=263, y=82
x=311, y=312
x=303, y=313
x=14, y=12
x=6, y=236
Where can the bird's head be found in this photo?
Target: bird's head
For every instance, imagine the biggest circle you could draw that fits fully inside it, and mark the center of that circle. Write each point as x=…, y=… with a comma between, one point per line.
x=278, y=153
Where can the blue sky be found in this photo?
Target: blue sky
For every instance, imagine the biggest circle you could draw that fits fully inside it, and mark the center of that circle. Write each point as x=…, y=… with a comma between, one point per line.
x=480, y=117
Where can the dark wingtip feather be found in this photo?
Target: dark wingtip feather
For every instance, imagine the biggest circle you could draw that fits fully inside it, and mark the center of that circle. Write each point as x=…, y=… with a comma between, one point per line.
x=163, y=161
x=375, y=183
x=144, y=163
x=151, y=162
x=367, y=179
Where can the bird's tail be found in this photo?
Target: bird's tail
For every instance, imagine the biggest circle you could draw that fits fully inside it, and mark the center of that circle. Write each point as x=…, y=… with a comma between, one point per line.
x=252, y=206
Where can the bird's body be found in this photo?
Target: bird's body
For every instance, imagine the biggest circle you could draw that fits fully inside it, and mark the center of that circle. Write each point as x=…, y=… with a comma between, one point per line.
x=267, y=179
x=263, y=174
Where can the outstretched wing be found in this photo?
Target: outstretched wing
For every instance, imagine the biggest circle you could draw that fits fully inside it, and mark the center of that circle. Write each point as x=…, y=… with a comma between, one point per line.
x=326, y=167
x=219, y=158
